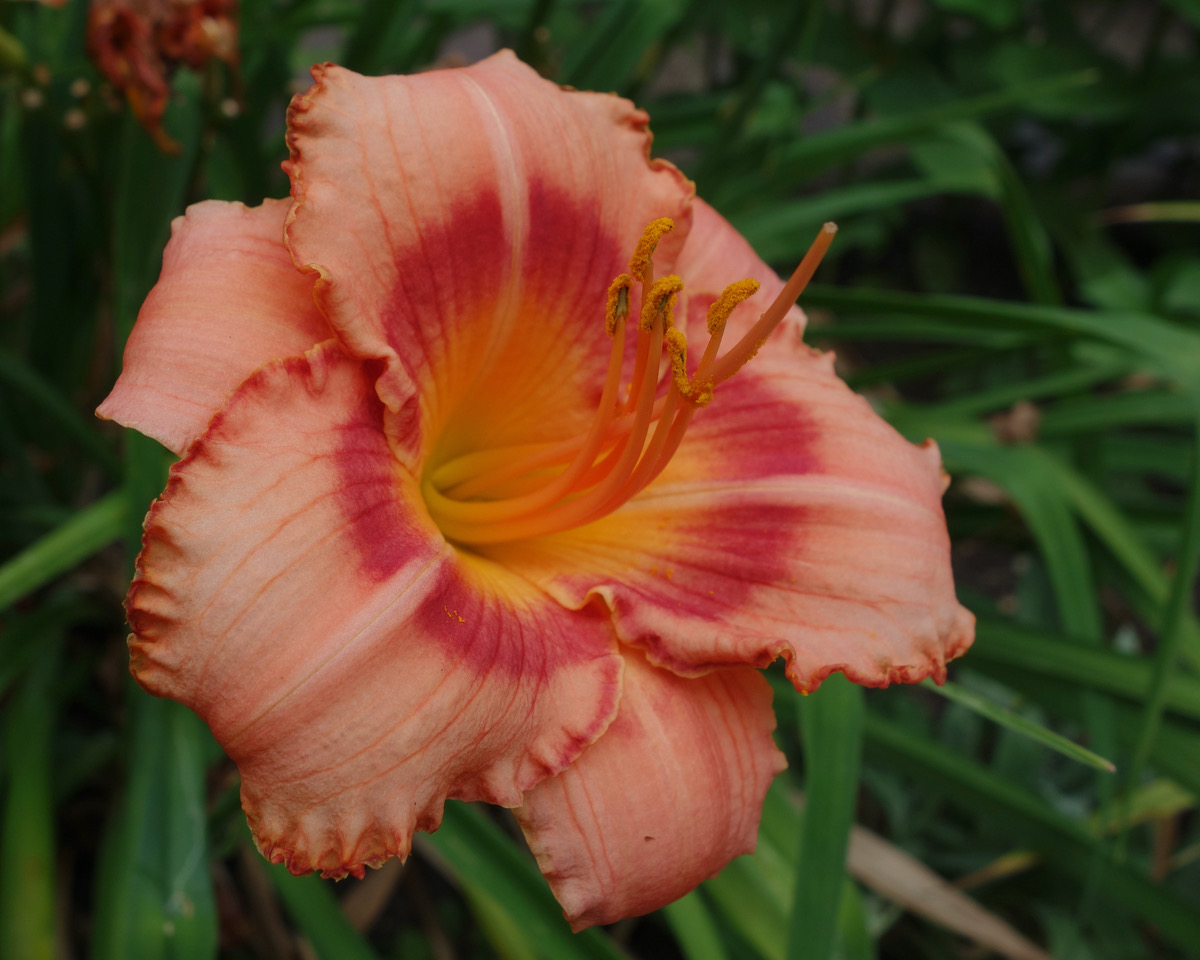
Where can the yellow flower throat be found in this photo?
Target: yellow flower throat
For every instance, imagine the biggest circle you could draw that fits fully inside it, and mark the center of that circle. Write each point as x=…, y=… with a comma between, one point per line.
x=512, y=493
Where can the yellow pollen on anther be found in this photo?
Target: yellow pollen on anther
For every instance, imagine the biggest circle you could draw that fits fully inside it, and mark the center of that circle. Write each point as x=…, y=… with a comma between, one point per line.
x=618, y=303
x=661, y=300
x=515, y=493
x=730, y=297
x=653, y=233
x=697, y=391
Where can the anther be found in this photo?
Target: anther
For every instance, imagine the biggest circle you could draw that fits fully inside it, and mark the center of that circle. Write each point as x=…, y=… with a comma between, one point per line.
x=653, y=233
x=661, y=302
x=618, y=303
x=730, y=297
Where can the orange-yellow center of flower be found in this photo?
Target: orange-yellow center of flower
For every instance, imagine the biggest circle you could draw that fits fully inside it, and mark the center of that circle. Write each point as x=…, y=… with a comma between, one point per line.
x=514, y=493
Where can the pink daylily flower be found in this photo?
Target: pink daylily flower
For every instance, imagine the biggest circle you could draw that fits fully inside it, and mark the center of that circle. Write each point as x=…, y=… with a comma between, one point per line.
x=362, y=573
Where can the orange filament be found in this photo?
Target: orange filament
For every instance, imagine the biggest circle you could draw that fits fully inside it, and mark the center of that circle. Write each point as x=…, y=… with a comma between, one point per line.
x=494, y=496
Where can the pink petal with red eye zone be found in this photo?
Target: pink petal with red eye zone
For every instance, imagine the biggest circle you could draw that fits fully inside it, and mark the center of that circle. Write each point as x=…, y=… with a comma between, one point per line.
x=663, y=800
x=792, y=522
x=228, y=300
x=465, y=225
x=359, y=671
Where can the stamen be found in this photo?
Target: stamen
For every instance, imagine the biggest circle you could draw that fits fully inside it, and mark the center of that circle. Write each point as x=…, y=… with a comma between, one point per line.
x=538, y=489
x=749, y=345
x=642, y=254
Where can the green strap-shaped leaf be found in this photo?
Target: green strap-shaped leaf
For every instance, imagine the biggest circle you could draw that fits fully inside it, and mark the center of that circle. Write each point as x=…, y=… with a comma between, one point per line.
x=1019, y=724
x=1067, y=845
x=480, y=857
x=831, y=723
x=314, y=909
x=27, y=917
x=89, y=530
x=154, y=890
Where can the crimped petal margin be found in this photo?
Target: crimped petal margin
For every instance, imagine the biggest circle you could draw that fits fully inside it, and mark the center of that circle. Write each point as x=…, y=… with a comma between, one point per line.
x=663, y=800
x=793, y=522
x=228, y=300
x=357, y=670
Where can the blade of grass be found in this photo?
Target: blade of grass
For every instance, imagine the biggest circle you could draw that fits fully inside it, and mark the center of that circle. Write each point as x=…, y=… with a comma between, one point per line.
x=1070, y=380
x=1173, y=349
x=1067, y=845
x=800, y=22
x=28, y=927
x=1113, y=529
x=1107, y=671
x=379, y=26
x=816, y=152
x=1095, y=413
x=314, y=909
x=1019, y=724
x=44, y=396
x=619, y=42
x=91, y=529
x=831, y=721
x=694, y=928
x=1171, y=634
x=154, y=891
x=1030, y=241
x=474, y=851
x=1176, y=749
x=776, y=232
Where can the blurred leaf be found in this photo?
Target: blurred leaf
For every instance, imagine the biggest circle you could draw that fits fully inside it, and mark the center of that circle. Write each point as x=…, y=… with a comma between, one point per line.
x=1066, y=845
x=314, y=909
x=28, y=926
x=378, y=29
x=154, y=896
x=620, y=42
x=1172, y=349
x=46, y=398
x=903, y=879
x=89, y=530
x=153, y=890
x=472, y=850
x=831, y=723
x=1105, y=670
x=1019, y=724
x=694, y=928
x=782, y=232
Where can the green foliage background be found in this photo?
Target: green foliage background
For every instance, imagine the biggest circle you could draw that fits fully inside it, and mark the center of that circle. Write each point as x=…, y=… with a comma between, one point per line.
x=1017, y=276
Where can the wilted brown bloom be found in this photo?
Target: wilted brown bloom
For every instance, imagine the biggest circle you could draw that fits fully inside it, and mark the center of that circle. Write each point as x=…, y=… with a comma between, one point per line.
x=137, y=43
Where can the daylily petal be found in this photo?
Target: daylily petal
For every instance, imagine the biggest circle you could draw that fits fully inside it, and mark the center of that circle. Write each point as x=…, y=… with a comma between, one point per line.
x=465, y=225
x=793, y=521
x=228, y=300
x=357, y=669
x=663, y=800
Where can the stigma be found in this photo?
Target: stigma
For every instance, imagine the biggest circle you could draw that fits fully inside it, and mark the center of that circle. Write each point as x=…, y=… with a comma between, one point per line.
x=514, y=493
